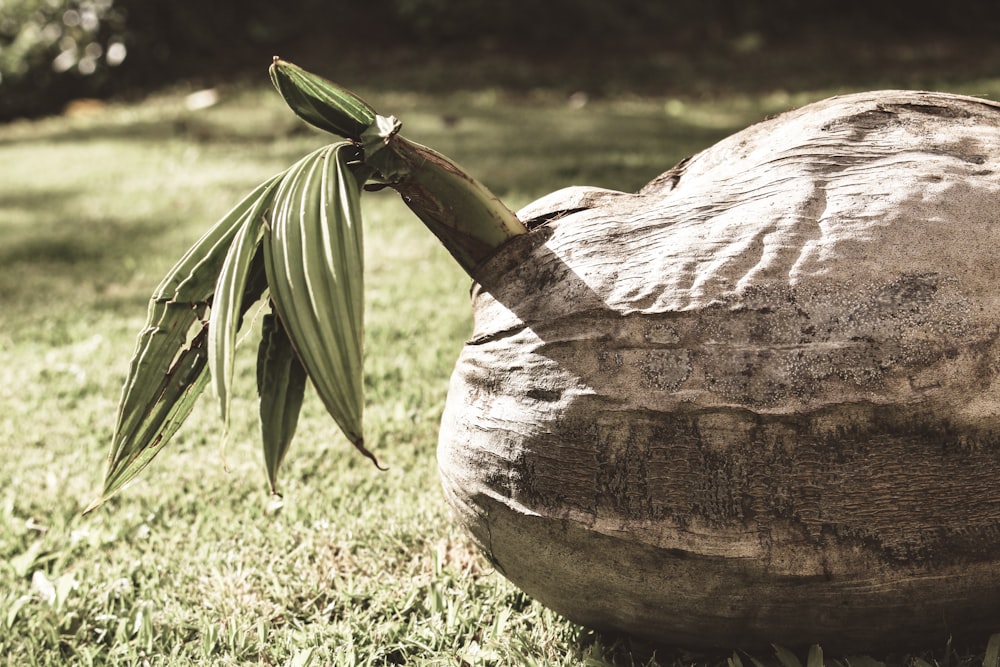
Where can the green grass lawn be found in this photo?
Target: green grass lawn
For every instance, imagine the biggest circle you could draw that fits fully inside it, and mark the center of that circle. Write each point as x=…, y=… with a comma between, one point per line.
x=194, y=564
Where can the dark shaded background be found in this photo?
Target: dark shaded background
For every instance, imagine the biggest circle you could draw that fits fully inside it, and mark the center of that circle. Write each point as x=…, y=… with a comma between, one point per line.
x=223, y=40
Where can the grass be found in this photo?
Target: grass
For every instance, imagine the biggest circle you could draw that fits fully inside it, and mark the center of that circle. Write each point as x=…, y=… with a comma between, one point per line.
x=194, y=564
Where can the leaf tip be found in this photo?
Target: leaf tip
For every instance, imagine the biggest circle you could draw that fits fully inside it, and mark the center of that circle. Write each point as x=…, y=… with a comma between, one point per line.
x=223, y=442
x=359, y=444
x=94, y=504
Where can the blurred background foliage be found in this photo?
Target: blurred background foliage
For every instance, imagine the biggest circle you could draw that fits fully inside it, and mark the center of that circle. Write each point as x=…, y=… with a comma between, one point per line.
x=54, y=51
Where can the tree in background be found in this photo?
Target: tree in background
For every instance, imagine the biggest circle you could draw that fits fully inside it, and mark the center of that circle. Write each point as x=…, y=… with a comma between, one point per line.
x=52, y=51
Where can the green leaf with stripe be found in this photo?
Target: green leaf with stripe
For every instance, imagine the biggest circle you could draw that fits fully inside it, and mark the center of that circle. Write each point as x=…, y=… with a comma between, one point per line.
x=321, y=103
x=314, y=258
x=281, y=383
x=228, y=301
x=168, y=368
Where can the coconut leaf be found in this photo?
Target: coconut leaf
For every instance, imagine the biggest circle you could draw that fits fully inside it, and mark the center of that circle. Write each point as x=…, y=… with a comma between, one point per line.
x=228, y=301
x=314, y=260
x=281, y=383
x=168, y=368
x=150, y=430
x=193, y=278
x=320, y=102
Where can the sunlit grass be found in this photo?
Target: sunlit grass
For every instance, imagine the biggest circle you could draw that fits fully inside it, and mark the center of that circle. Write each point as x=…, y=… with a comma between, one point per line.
x=194, y=564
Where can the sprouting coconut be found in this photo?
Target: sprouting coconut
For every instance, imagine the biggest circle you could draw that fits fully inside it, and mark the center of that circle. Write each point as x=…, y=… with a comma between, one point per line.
x=754, y=402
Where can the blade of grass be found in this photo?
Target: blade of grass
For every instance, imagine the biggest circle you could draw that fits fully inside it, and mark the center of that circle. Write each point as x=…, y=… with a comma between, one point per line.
x=992, y=657
x=815, y=657
x=786, y=657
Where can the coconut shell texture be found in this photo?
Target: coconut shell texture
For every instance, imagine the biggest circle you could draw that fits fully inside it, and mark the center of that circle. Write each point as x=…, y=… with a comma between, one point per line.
x=758, y=400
